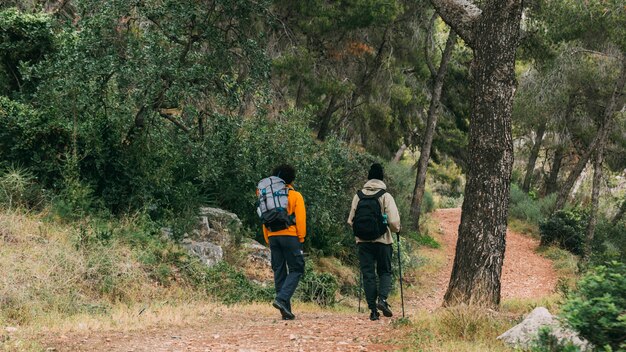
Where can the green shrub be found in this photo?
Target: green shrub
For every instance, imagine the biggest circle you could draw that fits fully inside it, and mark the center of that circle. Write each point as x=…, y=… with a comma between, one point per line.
x=320, y=288
x=565, y=228
x=32, y=141
x=19, y=189
x=547, y=342
x=447, y=176
x=597, y=309
x=609, y=242
x=428, y=204
x=527, y=207
x=230, y=285
x=446, y=202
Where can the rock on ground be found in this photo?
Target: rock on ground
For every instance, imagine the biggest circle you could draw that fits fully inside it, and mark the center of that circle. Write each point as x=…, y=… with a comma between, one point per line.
x=525, y=333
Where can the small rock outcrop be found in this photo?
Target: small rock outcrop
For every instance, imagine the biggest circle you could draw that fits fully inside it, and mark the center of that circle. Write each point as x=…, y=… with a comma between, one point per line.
x=524, y=334
x=216, y=231
x=209, y=253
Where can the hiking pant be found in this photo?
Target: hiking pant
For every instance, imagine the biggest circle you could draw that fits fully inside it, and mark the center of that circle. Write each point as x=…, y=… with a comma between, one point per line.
x=375, y=260
x=288, y=266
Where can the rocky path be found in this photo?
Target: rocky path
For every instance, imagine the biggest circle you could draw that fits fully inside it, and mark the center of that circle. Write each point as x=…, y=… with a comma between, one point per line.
x=525, y=275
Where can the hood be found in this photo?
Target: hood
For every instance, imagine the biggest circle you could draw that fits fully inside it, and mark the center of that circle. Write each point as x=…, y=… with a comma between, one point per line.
x=374, y=185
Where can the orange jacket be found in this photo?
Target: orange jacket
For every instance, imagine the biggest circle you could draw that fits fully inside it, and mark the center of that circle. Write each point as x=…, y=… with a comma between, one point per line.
x=295, y=205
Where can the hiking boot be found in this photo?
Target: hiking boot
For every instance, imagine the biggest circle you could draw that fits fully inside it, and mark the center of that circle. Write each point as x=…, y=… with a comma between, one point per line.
x=385, y=307
x=374, y=315
x=284, y=311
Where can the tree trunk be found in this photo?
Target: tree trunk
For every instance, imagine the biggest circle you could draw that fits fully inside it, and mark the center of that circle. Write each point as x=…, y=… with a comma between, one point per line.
x=534, y=152
x=324, y=129
x=595, y=196
x=602, y=134
x=399, y=153
x=559, y=153
x=620, y=214
x=551, y=184
x=431, y=123
x=477, y=268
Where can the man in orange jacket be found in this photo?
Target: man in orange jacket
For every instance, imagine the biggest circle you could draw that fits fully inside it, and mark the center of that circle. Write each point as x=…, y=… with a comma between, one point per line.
x=286, y=246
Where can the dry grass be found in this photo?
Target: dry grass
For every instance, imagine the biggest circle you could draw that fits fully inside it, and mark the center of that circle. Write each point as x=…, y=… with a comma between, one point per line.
x=460, y=328
x=344, y=274
x=46, y=274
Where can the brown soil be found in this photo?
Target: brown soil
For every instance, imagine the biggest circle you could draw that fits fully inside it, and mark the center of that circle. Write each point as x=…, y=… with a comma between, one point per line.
x=525, y=275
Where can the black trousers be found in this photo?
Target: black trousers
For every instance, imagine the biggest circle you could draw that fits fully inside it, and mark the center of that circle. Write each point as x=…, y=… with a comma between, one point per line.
x=288, y=266
x=375, y=263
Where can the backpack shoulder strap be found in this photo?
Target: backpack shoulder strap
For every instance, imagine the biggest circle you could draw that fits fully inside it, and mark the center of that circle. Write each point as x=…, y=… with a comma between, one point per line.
x=372, y=196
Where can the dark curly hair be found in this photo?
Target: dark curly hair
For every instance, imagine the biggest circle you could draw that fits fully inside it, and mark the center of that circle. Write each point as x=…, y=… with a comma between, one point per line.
x=286, y=172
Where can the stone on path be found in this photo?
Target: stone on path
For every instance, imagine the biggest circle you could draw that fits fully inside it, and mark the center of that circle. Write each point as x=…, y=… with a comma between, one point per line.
x=525, y=333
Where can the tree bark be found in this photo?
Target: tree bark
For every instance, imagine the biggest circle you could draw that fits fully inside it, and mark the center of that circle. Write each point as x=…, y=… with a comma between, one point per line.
x=431, y=123
x=325, y=118
x=559, y=153
x=595, y=197
x=532, y=159
x=493, y=34
x=603, y=131
x=399, y=153
x=551, y=184
x=620, y=214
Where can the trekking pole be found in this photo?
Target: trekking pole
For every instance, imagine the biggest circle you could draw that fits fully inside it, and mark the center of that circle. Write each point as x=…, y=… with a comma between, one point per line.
x=360, y=288
x=400, y=274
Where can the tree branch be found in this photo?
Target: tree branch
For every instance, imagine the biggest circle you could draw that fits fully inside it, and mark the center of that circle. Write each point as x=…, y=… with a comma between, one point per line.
x=428, y=43
x=168, y=114
x=460, y=15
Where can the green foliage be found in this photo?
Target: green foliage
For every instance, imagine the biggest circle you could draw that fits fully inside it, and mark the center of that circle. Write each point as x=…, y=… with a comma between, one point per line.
x=448, y=179
x=527, y=208
x=428, y=203
x=24, y=40
x=230, y=285
x=320, y=288
x=565, y=228
x=547, y=342
x=596, y=309
x=327, y=174
x=595, y=22
x=609, y=242
x=32, y=140
x=423, y=239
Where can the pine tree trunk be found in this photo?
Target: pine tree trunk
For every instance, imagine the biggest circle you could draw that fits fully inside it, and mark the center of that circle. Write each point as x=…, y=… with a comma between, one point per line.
x=480, y=247
x=325, y=118
x=534, y=153
x=559, y=153
x=595, y=196
x=551, y=184
x=431, y=123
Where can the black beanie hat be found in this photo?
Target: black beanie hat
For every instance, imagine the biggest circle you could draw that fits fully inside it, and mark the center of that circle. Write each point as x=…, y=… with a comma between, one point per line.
x=376, y=171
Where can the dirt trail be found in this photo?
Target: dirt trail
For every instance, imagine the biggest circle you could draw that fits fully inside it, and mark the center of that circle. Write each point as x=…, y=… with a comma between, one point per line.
x=525, y=275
